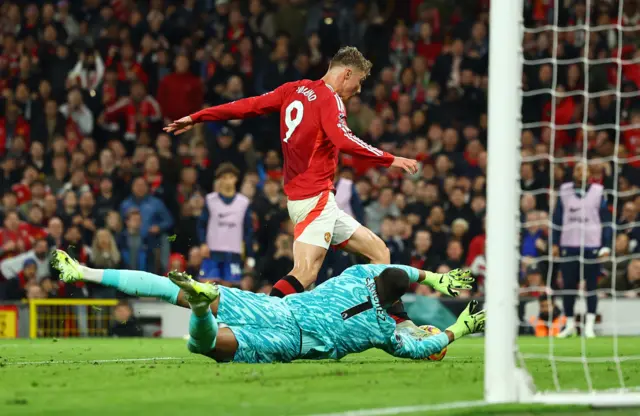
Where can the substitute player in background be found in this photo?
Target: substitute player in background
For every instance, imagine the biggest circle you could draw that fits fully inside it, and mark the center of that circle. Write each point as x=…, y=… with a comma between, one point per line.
x=313, y=131
x=579, y=219
x=344, y=315
x=223, y=226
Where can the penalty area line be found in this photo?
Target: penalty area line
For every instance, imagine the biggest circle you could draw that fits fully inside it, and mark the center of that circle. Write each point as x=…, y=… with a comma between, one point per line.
x=408, y=409
x=115, y=360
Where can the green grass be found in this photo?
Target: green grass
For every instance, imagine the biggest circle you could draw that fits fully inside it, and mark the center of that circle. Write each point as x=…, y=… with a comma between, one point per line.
x=72, y=383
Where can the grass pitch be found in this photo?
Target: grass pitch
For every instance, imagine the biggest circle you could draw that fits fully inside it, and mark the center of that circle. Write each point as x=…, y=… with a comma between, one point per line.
x=159, y=376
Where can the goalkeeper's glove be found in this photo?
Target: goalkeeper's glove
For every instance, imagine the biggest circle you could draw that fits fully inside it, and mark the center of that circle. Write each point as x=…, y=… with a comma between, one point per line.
x=449, y=283
x=470, y=321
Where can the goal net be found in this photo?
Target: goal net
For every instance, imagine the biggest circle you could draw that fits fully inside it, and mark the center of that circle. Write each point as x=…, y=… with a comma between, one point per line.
x=563, y=202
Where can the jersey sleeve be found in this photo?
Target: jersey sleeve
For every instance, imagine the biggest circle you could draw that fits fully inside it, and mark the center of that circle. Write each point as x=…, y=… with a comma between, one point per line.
x=269, y=102
x=333, y=120
x=372, y=270
x=403, y=345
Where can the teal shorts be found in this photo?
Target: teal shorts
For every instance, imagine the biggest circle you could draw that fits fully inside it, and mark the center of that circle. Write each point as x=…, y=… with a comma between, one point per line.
x=263, y=325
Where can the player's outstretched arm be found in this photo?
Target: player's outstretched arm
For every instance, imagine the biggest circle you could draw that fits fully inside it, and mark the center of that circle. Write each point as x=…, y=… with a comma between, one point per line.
x=449, y=283
x=334, y=123
x=470, y=321
x=244, y=108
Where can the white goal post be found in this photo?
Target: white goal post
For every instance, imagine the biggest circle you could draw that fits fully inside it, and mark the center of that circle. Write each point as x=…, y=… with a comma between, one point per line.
x=504, y=381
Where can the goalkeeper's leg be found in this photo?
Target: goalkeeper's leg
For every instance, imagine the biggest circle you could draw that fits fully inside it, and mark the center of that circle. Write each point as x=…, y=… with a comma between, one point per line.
x=131, y=282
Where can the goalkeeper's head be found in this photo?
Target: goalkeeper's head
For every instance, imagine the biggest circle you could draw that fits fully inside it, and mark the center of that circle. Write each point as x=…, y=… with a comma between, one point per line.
x=391, y=284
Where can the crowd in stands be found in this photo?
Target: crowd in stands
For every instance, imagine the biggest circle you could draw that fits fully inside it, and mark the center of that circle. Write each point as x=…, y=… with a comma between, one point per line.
x=86, y=87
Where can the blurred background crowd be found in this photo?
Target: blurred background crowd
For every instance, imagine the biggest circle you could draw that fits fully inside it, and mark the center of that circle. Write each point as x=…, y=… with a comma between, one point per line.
x=87, y=86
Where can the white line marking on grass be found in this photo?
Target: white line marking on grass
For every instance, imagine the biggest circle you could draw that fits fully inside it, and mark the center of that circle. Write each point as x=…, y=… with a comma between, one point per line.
x=116, y=360
x=383, y=411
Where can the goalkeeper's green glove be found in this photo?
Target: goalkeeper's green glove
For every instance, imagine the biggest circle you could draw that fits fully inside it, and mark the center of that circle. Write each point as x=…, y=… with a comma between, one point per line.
x=470, y=321
x=449, y=283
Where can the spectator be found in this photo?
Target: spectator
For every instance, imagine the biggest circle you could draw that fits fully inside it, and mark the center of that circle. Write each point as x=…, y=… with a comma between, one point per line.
x=86, y=212
x=124, y=323
x=392, y=241
x=347, y=198
x=281, y=261
x=188, y=224
x=55, y=232
x=194, y=262
x=261, y=22
x=616, y=280
x=628, y=224
x=458, y=207
x=78, y=117
x=88, y=72
x=633, y=276
x=421, y=256
x=14, y=239
x=50, y=124
x=133, y=245
x=104, y=255
x=180, y=92
x=139, y=112
x=455, y=254
x=16, y=288
x=39, y=255
x=106, y=200
x=439, y=231
x=12, y=126
x=384, y=206
x=156, y=222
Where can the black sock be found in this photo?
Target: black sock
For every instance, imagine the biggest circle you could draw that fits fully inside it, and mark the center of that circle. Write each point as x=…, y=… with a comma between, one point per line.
x=286, y=286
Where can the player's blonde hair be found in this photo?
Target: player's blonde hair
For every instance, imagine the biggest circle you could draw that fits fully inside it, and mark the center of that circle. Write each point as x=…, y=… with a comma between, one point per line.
x=352, y=57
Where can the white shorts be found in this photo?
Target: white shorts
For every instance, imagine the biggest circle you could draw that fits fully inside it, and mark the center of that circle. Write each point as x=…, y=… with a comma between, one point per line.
x=320, y=222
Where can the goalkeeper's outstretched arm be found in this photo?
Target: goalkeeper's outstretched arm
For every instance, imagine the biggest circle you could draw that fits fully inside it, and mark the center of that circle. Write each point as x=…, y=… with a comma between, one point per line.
x=448, y=284
x=404, y=345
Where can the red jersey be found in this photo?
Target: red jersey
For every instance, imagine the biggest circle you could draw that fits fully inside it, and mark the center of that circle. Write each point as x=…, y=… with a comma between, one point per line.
x=313, y=130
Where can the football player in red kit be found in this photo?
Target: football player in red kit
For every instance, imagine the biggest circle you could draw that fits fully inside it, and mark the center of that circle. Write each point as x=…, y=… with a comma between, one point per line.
x=313, y=131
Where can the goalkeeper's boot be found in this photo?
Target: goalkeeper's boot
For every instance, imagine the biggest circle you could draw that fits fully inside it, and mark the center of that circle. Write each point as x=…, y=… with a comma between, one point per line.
x=194, y=291
x=469, y=321
x=68, y=267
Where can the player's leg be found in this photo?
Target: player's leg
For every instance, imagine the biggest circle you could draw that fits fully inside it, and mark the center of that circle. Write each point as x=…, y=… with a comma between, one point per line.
x=205, y=336
x=263, y=327
x=131, y=282
x=314, y=220
x=351, y=236
x=591, y=271
x=570, y=276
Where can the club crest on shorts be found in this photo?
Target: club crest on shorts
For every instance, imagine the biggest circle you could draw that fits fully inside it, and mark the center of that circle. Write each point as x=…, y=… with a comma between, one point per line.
x=327, y=237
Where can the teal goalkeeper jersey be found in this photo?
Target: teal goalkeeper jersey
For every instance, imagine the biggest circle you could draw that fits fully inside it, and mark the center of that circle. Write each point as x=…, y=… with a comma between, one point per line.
x=343, y=316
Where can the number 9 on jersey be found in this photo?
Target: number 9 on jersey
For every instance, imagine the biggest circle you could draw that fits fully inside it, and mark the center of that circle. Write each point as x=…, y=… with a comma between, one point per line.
x=292, y=123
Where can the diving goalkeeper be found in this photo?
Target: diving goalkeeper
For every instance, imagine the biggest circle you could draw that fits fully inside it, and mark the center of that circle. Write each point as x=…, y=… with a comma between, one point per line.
x=344, y=315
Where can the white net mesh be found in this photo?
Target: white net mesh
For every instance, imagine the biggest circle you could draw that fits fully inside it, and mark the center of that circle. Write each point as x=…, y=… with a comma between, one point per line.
x=581, y=107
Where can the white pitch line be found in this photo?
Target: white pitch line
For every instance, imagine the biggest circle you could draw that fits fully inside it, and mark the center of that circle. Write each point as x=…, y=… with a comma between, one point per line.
x=384, y=411
x=116, y=360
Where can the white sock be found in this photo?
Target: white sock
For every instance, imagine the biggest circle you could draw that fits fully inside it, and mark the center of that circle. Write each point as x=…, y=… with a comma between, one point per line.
x=590, y=322
x=571, y=322
x=199, y=308
x=91, y=275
